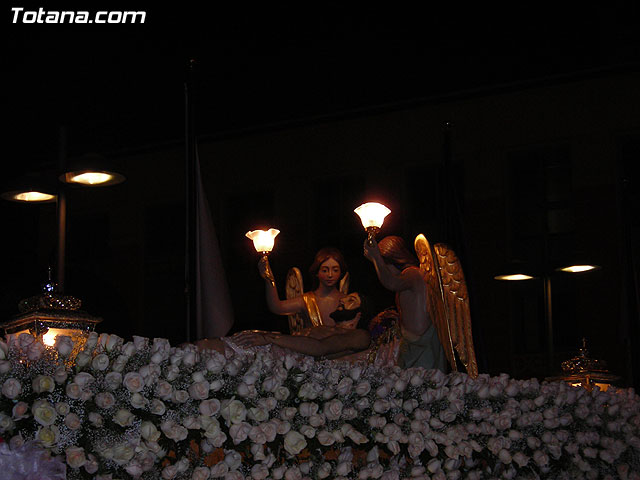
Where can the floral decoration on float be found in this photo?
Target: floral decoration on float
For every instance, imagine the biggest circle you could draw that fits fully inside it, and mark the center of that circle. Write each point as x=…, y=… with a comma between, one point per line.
x=144, y=409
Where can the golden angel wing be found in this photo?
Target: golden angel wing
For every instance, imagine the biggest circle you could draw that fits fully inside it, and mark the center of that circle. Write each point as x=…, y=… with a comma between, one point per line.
x=294, y=288
x=435, y=299
x=344, y=284
x=456, y=299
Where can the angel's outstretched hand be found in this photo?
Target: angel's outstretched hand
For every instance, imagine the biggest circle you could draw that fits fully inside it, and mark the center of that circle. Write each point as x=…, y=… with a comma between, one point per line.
x=371, y=249
x=265, y=269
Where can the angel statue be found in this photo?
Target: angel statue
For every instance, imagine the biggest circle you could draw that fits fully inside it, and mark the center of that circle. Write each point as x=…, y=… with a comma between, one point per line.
x=315, y=307
x=325, y=322
x=432, y=301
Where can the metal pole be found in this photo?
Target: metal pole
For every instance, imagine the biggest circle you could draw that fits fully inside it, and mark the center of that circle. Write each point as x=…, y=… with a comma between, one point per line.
x=190, y=202
x=548, y=315
x=61, y=210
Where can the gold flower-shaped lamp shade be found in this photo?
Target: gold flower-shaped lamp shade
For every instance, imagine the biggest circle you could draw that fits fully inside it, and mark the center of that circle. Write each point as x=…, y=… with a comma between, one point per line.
x=263, y=240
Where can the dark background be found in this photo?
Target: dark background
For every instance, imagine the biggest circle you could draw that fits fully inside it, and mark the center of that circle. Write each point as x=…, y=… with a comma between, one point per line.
x=302, y=114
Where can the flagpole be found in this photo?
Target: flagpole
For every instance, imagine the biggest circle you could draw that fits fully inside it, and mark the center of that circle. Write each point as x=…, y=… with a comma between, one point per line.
x=190, y=204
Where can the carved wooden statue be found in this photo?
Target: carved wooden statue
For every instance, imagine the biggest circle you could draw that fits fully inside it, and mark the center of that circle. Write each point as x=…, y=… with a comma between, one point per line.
x=448, y=302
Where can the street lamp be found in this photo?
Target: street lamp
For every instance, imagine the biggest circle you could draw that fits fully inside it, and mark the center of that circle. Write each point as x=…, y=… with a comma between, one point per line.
x=521, y=273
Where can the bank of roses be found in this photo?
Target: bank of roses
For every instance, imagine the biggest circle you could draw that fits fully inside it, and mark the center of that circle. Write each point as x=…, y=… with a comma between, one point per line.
x=144, y=409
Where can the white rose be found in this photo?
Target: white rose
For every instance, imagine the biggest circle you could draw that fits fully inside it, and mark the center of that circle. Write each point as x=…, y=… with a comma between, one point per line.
x=278, y=472
x=128, y=349
x=64, y=345
x=124, y=417
x=258, y=414
x=324, y=471
x=157, y=407
x=281, y=393
x=138, y=400
x=62, y=408
x=83, y=379
x=133, y=381
x=333, y=409
x=83, y=359
x=149, y=432
x=6, y=423
x=199, y=390
x=209, y=407
x=345, y=386
x=25, y=340
x=232, y=459
x=219, y=470
x=233, y=411
x=282, y=427
x=288, y=413
x=200, y=473
x=270, y=430
x=60, y=375
x=44, y=413
x=43, y=383
x=100, y=362
x=75, y=457
x=316, y=420
x=257, y=436
x=308, y=408
x=239, y=432
x=294, y=442
x=140, y=342
x=325, y=438
x=113, y=342
x=308, y=431
x=164, y=389
x=216, y=385
x=20, y=410
x=180, y=396
x=96, y=419
x=363, y=388
x=92, y=340
x=381, y=405
x=190, y=359
x=174, y=431
x=169, y=472
x=4, y=350
x=48, y=436
x=11, y=388
x=113, y=380
x=293, y=473
x=105, y=400
x=72, y=421
x=216, y=363
x=134, y=468
x=259, y=472
x=5, y=366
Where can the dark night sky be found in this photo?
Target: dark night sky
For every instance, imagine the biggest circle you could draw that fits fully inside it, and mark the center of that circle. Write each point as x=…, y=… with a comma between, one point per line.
x=120, y=86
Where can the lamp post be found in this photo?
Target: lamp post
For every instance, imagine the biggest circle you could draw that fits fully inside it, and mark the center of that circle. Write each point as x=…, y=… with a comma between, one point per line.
x=53, y=313
x=523, y=275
